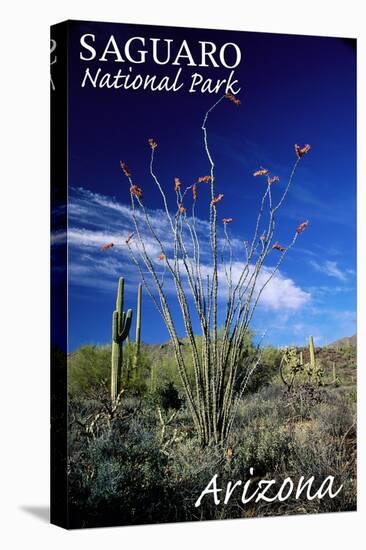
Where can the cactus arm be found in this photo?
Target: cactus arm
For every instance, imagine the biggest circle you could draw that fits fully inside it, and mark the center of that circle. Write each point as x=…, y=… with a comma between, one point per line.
x=125, y=327
x=121, y=323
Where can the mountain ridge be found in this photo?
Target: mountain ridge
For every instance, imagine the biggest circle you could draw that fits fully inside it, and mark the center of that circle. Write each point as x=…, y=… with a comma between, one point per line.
x=345, y=342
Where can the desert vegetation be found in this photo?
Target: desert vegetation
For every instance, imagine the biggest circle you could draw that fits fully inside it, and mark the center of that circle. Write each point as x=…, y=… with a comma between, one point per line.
x=140, y=461
x=149, y=425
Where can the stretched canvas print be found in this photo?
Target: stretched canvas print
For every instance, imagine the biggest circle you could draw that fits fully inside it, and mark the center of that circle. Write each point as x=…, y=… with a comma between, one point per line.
x=203, y=190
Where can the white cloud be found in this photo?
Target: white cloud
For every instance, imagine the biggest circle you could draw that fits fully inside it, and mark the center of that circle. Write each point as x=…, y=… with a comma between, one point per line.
x=105, y=220
x=329, y=268
x=282, y=293
x=58, y=237
x=87, y=238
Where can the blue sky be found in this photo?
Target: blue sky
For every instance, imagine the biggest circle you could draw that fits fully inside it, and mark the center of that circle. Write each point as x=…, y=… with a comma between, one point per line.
x=294, y=90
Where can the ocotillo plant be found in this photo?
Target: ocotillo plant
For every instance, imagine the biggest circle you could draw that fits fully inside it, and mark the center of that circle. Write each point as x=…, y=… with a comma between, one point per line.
x=121, y=324
x=217, y=385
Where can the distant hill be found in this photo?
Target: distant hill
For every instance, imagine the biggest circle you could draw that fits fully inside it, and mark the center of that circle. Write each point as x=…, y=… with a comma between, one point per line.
x=346, y=342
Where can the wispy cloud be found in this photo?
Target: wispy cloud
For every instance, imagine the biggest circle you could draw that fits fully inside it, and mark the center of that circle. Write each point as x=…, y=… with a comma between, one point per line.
x=331, y=269
x=106, y=220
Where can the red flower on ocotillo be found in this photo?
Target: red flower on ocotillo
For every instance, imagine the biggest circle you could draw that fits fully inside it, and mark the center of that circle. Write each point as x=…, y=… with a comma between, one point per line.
x=232, y=98
x=300, y=228
x=204, y=179
x=176, y=184
x=106, y=247
x=279, y=247
x=125, y=169
x=217, y=199
x=261, y=172
x=301, y=151
x=137, y=191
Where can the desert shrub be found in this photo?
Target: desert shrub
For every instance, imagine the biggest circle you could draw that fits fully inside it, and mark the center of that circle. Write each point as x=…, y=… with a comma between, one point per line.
x=302, y=399
x=266, y=448
x=268, y=403
x=190, y=468
x=164, y=372
x=164, y=365
x=129, y=471
x=351, y=397
x=266, y=370
x=168, y=397
x=119, y=480
x=334, y=419
x=317, y=453
x=88, y=368
x=136, y=370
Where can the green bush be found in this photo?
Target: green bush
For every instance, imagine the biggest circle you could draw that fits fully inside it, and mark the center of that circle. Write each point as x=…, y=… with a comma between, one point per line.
x=88, y=369
x=266, y=370
x=168, y=398
x=136, y=371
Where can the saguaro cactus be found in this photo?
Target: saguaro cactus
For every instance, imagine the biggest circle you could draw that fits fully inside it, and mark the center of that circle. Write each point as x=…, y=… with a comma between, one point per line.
x=315, y=371
x=312, y=353
x=293, y=364
x=121, y=324
x=336, y=380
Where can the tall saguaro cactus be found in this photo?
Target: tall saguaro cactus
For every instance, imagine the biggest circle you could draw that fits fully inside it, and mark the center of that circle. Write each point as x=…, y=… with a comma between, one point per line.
x=312, y=353
x=121, y=324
